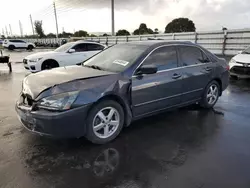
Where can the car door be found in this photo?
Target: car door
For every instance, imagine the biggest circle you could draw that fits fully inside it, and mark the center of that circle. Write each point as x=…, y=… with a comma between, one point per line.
x=197, y=72
x=161, y=90
x=22, y=44
x=76, y=57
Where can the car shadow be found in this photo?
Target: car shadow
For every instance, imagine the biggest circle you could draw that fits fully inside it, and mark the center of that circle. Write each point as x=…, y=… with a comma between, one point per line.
x=149, y=147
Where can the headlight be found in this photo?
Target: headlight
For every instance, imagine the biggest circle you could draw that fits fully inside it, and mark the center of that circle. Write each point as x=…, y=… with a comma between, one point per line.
x=232, y=61
x=61, y=101
x=35, y=60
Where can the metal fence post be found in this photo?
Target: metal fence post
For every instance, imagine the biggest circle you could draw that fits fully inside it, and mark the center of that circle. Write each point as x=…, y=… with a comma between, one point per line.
x=224, y=42
x=107, y=39
x=195, y=37
x=126, y=38
x=173, y=36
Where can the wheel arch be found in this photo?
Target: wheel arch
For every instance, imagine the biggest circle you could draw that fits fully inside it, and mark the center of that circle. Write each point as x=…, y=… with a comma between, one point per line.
x=124, y=105
x=49, y=60
x=220, y=84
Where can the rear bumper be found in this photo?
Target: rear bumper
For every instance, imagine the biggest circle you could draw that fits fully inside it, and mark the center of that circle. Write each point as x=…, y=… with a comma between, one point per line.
x=67, y=124
x=225, y=80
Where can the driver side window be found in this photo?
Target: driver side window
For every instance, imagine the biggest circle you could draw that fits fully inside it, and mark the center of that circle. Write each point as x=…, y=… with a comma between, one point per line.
x=163, y=58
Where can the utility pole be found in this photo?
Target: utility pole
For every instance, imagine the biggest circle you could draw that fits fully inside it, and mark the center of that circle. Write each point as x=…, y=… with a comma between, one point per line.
x=54, y=5
x=10, y=30
x=21, y=29
x=32, y=25
x=113, y=17
x=3, y=32
x=6, y=30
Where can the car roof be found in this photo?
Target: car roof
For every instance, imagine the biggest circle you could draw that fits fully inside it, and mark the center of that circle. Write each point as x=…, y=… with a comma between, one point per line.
x=159, y=42
x=89, y=42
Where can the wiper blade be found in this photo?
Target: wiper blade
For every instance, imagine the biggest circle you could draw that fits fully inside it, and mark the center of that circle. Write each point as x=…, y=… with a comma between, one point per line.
x=93, y=67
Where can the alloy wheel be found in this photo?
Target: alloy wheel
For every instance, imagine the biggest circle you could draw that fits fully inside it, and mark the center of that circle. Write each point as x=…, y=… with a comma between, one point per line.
x=212, y=94
x=106, y=122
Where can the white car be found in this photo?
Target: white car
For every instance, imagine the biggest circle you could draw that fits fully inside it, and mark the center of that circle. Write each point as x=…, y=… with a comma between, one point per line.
x=12, y=44
x=240, y=64
x=71, y=53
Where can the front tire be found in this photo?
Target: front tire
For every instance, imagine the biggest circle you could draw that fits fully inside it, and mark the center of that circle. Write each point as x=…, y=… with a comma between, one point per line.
x=105, y=122
x=210, y=95
x=49, y=64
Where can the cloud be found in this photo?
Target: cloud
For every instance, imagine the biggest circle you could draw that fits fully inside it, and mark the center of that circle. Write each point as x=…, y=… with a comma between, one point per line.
x=141, y=5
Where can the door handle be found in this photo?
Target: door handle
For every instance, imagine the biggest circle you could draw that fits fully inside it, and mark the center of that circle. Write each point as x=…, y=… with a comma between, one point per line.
x=208, y=69
x=175, y=76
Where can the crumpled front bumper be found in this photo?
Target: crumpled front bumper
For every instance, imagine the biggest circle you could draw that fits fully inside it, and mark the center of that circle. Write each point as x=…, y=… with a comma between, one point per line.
x=66, y=124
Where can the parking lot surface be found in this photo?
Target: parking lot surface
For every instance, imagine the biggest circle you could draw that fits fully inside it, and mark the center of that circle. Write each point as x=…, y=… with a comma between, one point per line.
x=186, y=148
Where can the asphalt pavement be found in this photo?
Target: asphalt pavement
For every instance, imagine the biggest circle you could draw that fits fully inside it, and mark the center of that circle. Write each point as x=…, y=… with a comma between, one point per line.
x=186, y=148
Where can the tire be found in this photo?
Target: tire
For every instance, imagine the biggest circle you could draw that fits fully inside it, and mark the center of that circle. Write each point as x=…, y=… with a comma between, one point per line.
x=49, y=64
x=11, y=47
x=206, y=101
x=30, y=47
x=100, y=136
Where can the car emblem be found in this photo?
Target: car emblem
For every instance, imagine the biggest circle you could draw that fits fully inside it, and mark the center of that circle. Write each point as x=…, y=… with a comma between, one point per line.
x=245, y=65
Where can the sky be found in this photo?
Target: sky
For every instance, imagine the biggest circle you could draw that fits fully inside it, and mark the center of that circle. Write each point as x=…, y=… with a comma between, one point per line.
x=95, y=15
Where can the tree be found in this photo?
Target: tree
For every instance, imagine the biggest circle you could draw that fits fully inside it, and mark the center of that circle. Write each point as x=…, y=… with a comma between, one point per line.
x=122, y=32
x=142, y=30
x=105, y=35
x=81, y=33
x=39, y=28
x=92, y=35
x=51, y=35
x=2, y=37
x=180, y=25
x=156, y=31
x=65, y=35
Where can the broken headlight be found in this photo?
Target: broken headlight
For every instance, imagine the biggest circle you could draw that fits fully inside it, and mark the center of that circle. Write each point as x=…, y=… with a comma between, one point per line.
x=61, y=101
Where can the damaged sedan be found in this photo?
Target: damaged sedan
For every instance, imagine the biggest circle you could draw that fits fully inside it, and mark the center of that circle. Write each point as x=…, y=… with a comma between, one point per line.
x=119, y=85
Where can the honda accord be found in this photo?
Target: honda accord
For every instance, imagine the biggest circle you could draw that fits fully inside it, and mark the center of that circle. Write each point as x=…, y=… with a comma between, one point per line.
x=119, y=85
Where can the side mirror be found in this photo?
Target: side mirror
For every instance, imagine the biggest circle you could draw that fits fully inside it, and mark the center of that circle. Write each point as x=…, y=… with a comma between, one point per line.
x=239, y=52
x=146, y=69
x=71, y=51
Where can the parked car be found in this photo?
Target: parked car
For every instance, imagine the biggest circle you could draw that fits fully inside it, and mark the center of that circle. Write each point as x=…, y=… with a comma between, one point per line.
x=119, y=85
x=71, y=53
x=12, y=44
x=240, y=64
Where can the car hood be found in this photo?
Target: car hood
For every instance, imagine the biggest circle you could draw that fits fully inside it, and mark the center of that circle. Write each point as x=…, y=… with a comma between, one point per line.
x=36, y=83
x=41, y=54
x=242, y=58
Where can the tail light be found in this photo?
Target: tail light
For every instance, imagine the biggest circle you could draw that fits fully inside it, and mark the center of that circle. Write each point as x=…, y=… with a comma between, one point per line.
x=228, y=67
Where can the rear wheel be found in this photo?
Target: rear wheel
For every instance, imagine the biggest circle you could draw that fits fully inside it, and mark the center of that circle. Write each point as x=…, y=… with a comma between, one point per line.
x=30, y=47
x=211, y=95
x=105, y=121
x=49, y=64
x=11, y=47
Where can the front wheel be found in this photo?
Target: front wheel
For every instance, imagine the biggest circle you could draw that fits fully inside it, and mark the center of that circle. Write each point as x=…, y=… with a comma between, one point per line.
x=211, y=95
x=105, y=121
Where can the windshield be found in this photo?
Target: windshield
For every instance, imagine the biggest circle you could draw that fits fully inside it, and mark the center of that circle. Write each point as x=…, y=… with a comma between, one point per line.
x=117, y=58
x=64, y=47
x=246, y=51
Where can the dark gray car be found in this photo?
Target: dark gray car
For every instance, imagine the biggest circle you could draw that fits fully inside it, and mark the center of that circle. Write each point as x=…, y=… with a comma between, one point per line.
x=121, y=84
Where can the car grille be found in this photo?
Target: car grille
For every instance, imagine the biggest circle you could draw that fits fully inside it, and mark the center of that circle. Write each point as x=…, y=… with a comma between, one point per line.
x=241, y=70
x=25, y=61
